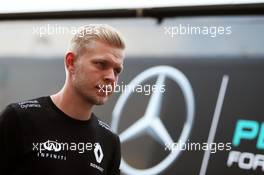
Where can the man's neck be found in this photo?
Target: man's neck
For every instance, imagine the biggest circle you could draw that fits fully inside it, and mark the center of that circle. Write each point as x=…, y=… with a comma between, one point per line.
x=72, y=105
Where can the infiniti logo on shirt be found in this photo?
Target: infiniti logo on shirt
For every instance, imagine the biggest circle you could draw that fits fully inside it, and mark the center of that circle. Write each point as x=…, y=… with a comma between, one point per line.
x=52, y=146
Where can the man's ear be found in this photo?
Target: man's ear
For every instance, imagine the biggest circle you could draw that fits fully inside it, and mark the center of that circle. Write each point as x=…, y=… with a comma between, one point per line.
x=69, y=61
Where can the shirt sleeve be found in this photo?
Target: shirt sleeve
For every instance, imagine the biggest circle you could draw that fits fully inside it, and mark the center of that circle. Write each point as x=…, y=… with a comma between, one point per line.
x=114, y=169
x=10, y=140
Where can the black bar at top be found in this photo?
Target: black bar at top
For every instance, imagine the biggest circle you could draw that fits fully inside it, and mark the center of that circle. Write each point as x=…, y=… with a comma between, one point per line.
x=159, y=13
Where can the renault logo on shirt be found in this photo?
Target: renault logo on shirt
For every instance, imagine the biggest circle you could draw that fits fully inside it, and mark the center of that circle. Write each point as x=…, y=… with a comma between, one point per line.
x=151, y=122
x=98, y=153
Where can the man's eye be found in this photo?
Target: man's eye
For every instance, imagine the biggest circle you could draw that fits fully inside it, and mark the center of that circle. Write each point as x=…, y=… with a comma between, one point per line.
x=101, y=64
x=117, y=71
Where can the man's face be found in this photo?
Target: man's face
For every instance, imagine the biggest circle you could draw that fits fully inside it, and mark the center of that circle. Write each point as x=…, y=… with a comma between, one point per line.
x=96, y=72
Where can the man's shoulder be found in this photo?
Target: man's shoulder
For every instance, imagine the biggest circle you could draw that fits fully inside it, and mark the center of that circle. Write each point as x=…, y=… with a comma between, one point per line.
x=27, y=105
x=14, y=111
x=104, y=127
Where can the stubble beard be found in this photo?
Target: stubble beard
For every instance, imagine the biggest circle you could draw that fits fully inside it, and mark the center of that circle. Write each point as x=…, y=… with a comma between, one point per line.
x=90, y=97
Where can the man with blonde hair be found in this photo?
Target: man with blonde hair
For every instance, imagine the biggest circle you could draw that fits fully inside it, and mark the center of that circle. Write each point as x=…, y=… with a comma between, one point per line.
x=59, y=134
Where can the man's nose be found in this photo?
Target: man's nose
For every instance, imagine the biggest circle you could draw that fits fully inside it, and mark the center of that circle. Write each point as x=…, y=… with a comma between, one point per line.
x=110, y=76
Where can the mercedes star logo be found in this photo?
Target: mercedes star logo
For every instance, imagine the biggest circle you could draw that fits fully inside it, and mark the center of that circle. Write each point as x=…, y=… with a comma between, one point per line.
x=150, y=122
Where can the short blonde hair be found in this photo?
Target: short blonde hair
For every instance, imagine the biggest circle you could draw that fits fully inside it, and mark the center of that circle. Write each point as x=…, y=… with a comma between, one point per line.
x=96, y=32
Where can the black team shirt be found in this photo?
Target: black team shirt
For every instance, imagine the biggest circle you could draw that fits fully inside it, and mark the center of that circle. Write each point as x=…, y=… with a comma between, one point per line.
x=37, y=138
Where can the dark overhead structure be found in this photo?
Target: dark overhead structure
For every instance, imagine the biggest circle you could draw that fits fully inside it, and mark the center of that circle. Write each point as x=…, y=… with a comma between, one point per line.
x=159, y=13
